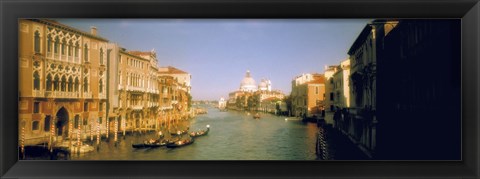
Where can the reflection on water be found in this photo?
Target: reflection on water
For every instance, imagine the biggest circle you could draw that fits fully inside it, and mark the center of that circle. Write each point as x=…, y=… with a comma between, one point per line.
x=233, y=136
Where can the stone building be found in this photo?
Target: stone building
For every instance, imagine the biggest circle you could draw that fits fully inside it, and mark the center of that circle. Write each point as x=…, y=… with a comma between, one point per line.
x=307, y=95
x=419, y=89
x=62, y=81
x=75, y=85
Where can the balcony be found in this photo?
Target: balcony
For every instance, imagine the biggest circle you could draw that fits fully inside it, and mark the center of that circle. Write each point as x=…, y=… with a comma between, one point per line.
x=137, y=107
x=49, y=54
x=102, y=96
x=56, y=56
x=77, y=60
x=87, y=94
x=166, y=107
x=64, y=57
x=131, y=88
x=38, y=93
x=70, y=58
x=62, y=94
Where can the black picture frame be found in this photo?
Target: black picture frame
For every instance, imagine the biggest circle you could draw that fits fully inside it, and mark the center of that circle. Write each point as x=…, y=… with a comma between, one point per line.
x=467, y=10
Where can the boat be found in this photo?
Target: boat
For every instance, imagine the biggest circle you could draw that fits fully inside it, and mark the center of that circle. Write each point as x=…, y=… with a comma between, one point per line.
x=180, y=132
x=150, y=143
x=256, y=116
x=180, y=143
x=199, y=133
x=157, y=144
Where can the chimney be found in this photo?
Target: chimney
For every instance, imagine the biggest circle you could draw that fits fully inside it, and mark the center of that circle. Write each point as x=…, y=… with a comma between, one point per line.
x=93, y=30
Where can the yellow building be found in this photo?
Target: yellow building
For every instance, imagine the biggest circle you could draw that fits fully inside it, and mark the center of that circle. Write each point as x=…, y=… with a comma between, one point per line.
x=307, y=95
x=138, y=87
x=62, y=81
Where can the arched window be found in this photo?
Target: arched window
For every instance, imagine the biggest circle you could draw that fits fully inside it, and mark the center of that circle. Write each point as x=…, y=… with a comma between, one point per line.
x=64, y=83
x=101, y=86
x=49, y=82
x=85, y=52
x=36, y=43
x=85, y=84
x=56, y=45
x=70, y=84
x=49, y=43
x=36, y=81
x=101, y=55
x=70, y=49
x=76, y=84
x=64, y=46
x=77, y=50
x=56, y=83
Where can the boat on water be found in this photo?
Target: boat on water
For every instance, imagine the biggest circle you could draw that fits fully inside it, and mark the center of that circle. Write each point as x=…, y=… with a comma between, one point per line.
x=256, y=116
x=181, y=143
x=151, y=144
x=179, y=132
x=200, y=132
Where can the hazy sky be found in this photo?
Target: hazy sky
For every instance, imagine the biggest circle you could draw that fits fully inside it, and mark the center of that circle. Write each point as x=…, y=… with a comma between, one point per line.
x=217, y=52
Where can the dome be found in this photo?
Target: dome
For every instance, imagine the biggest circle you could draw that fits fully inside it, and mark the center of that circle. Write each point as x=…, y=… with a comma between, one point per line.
x=248, y=83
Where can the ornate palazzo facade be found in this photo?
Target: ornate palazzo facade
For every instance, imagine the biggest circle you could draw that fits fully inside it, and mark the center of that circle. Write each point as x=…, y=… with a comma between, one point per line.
x=76, y=85
x=62, y=81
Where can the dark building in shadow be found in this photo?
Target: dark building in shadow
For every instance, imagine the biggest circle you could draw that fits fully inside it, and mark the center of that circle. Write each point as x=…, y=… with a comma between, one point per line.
x=419, y=90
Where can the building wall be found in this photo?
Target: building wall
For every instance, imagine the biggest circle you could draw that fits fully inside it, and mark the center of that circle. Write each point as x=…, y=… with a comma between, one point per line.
x=56, y=71
x=315, y=98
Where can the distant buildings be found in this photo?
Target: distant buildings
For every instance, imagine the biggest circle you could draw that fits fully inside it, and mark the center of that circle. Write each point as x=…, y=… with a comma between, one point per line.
x=222, y=104
x=307, y=95
x=252, y=97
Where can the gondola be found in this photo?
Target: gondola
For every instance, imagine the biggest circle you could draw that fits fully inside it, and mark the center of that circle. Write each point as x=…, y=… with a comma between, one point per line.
x=157, y=144
x=139, y=146
x=180, y=143
x=150, y=144
x=178, y=132
x=199, y=133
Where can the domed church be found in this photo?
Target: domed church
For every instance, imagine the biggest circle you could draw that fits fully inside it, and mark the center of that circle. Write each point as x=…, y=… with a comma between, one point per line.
x=248, y=83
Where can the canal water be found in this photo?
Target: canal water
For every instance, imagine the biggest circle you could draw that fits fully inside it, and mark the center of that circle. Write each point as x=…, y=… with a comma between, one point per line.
x=233, y=135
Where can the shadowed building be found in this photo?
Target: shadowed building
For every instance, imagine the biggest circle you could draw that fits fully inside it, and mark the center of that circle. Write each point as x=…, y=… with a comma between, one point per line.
x=419, y=90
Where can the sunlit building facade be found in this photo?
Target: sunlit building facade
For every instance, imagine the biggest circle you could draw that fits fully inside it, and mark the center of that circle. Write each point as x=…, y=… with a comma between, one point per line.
x=307, y=94
x=62, y=82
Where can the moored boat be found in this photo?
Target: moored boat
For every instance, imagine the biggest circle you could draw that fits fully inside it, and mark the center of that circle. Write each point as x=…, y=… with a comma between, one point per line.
x=180, y=143
x=150, y=143
x=179, y=132
x=200, y=133
x=256, y=116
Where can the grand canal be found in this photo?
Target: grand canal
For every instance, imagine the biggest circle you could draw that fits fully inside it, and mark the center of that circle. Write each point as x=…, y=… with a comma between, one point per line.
x=233, y=135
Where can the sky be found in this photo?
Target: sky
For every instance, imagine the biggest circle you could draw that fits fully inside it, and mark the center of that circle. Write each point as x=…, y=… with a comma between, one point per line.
x=218, y=52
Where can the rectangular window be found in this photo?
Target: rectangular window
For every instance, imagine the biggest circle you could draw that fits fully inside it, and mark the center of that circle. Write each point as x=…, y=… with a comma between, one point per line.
x=35, y=125
x=85, y=121
x=85, y=106
x=46, y=124
x=331, y=96
x=101, y=107
x=76, y=122
x=100, y=120
x=36, y=107
x=316, y=89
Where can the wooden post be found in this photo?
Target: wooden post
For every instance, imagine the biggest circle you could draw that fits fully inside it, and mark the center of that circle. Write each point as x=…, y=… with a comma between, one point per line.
x=116, y=130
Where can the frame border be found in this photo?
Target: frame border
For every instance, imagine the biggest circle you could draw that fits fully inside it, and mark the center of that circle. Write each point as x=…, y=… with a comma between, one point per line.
x=467, y=10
